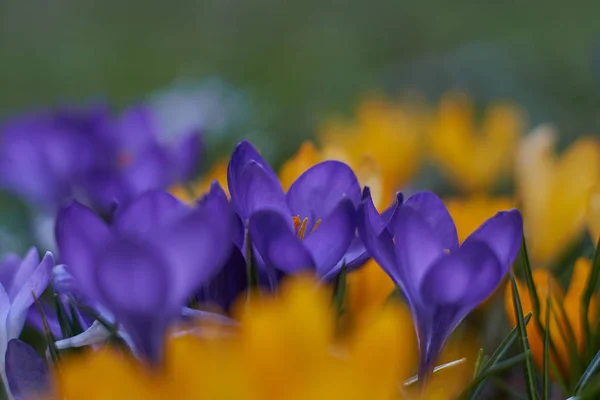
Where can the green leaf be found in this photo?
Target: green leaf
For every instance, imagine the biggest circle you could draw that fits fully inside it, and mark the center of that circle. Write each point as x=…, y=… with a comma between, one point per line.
x=76, y=327
x=251, y=265
x=497, y=355
x=50, y=339
x=586, y=298
x=588, y=373
x=339, y=290
x=478, y=363
x=523, y=340
x=65, y=324
x=498, y=368
x=546, y=360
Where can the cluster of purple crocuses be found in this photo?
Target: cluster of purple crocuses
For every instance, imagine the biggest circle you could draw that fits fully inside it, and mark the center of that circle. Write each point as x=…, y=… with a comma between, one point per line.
x=137, y=258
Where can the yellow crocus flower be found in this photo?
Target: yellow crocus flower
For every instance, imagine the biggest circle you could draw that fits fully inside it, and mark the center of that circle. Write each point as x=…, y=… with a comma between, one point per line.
x=391, y=134
x=548, y=287
x=554, y=191
x=474, y=156
x=366, y=168
x=469, y=213
x=285, y=347
x=190, y=194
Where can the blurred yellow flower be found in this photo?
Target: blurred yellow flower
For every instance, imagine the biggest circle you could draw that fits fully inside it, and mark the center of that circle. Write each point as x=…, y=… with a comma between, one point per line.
x=554, y=191
x=594, y=213
x=474, y=156
x=391, y=134
x=469, y=213
x=306, y=157
x=366, y=168
x=191, y=193
x=548, y=287
x=284, y=348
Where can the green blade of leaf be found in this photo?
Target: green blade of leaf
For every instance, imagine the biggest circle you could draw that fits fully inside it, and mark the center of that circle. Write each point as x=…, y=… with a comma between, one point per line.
x=76, y=327
x=50, y=339
x=588, y=373
x=524, y=341
x=546, y=360
x=478, y=363
x=61, y=315
x=339, y=290
x=498, y=368
x=251, y=266
x=499, y=353
x=586, y=298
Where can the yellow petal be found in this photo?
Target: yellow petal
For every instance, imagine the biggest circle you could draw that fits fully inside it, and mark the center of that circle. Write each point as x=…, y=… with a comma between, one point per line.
x=106, y=374
x=594, y=213
x=555, y=192
x=473, y=157
x=306, y=157
x=573, y=301
x=469, y=213
x=389, y=133
x=190, y=194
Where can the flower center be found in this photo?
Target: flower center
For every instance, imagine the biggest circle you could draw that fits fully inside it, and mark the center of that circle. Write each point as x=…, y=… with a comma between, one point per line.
x=300, y=226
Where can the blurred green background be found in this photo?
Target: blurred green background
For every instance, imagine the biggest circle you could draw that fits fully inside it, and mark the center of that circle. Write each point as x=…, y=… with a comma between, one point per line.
x=301, y=61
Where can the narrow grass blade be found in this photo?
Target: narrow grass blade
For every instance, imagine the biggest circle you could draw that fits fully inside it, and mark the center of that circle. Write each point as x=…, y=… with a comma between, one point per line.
x=478, y=363
x=251, y=265
x=498, y=354
x=339, y=290
x=589, y=291
x=50, y=339
x=63, y=320
x=546, y=360
x=588, y=373
x=498, y=368
x=529, y=369
x=76, y=327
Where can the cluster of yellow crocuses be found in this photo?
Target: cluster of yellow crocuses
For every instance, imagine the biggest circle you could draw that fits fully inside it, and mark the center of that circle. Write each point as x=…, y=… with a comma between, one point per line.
x=386, y=144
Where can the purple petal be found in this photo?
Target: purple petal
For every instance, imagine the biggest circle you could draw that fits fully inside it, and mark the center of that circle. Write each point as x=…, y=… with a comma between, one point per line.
x=225, y=287
x=34, y=319
x=185, y=157
x=80, y=234
x=465, y=278
x=503, y=233
x=378, y=244
x=27, y=373
x=195, y=248
x=259, y=191
x=243, y=154
x=8, y=269
x=378, y=221
x=135, y=129
x=434, y=212
x=35, y=284
x=149, y=171
x=328, y=243
x=319, y=190
x=132, y=278
x=417, y=248
x=277, y=243
x=216, y=199
x=26, y=268
x=148, y=212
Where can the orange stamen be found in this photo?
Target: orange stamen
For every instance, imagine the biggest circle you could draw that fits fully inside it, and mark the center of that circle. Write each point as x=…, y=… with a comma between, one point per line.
x=302, y=230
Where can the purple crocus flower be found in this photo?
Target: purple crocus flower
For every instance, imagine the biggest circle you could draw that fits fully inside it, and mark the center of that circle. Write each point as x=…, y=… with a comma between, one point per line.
x=87, y=153
x=140, y=160
x=441, y=281
x=45, y=154
x=145, y=265
x=232, y=280
x=309, y=227
x=28, y=375
x=20, y=280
